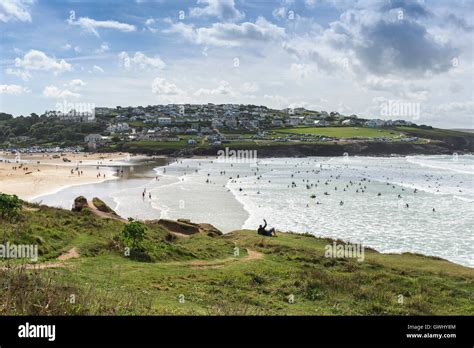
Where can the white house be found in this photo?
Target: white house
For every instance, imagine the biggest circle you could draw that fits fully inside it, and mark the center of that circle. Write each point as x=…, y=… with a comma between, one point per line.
x=349, y=122
x=231, y=122
x=277, y=123
x=216, y=123
x=322, y=123
x=92, y=138
x=375, y=123
x=101, y=111
x=164, y=120
x=118, y=128
x=294, y=120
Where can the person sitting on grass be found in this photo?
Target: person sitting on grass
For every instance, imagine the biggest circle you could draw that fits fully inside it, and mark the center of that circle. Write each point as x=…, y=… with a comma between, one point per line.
x=262, y=231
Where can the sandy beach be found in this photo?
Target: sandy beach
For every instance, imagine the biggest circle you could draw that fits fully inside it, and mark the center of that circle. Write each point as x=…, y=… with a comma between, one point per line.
x=33, y=175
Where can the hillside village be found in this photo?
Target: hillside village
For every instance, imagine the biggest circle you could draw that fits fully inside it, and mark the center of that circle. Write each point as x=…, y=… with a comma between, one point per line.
x=214, y=124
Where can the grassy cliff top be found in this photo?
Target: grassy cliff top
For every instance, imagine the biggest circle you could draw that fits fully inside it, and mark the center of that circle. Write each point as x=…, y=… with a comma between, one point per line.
x=83, y=270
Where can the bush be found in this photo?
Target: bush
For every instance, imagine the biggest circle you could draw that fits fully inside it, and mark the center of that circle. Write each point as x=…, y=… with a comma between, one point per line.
x=10, y=206
x=133, y=233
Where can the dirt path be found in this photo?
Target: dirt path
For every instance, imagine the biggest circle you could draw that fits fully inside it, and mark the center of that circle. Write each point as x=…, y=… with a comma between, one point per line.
x=181, y=235
x=25, y=208
x=205, y=264
x=253, y=255
x=70, y=254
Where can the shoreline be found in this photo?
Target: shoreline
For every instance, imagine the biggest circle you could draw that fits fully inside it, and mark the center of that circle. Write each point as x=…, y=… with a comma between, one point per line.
x=68, y=186
x=30, y=176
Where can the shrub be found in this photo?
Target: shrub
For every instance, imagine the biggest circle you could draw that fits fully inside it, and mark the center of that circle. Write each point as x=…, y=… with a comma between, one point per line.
x=10, y=206
x=133, y=233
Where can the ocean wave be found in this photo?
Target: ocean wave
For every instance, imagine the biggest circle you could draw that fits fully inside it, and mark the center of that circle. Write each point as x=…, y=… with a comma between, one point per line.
x=448, y=166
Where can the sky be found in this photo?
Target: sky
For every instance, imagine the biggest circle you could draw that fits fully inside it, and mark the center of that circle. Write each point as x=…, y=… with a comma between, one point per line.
x=389, y=59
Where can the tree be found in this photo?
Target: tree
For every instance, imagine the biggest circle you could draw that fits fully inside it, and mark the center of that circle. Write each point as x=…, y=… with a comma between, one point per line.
x=133, y=233
x=5, y=116
x=10, y=206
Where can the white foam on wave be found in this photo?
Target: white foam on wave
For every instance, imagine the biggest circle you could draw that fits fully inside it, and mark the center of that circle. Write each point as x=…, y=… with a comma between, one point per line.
x=448, y=164
x=247, y=204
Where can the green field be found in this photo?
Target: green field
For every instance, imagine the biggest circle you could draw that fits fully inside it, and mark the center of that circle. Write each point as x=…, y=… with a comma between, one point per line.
x=342, y=132
x=434, y=132
x=202, y=275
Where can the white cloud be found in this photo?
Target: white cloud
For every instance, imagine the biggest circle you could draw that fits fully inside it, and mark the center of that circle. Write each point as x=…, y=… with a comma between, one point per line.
x=55, y=92
x=68, y=47
x=149, y=21
x=187, y=31
x=160, y=86
x=15, y=10
x=276, y=101
x=310, y=3
x=37, y=60
x=104, y=47
x=300, y=71
x=314, y=50
x=279, y=12
x=281, y=102
x=223, y=9
x=97, y=68
x=13, y=89
x=24, y=75
x=75, y=84
x=91, y=25
x=400, y=87
x=230, y=34
x=464, y=107
x=382, y=83
x=223, y=88
x=249, y=88
x=141, y=61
